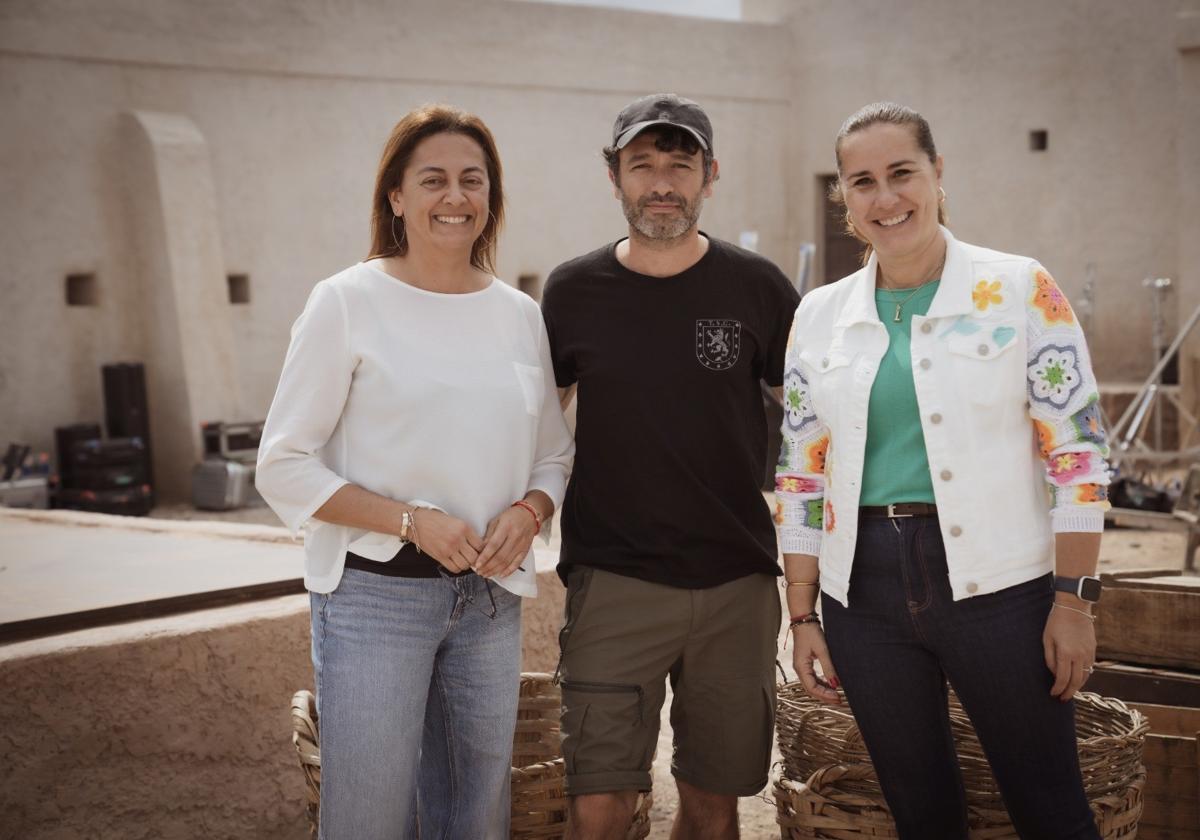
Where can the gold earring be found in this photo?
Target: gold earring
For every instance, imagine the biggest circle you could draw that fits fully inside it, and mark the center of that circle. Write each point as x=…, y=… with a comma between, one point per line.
x=941, y=195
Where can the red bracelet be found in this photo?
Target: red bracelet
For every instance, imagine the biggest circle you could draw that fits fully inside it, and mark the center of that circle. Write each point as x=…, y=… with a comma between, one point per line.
x=807, y=618
x=537, y=519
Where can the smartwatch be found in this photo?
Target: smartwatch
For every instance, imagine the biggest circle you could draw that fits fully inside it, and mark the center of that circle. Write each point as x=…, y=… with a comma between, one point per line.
x=1086, y=588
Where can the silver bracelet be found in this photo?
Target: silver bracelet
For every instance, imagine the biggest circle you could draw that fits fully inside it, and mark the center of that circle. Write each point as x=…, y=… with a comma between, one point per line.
x=1074, y=610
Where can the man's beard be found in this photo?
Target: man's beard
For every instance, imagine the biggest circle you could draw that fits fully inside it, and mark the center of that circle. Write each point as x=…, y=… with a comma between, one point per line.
x=657, y=227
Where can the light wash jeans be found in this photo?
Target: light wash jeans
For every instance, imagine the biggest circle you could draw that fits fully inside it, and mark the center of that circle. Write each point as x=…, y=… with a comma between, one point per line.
x=417, y=702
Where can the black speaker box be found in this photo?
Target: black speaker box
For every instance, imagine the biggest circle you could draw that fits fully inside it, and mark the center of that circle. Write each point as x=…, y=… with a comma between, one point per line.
x=65, y=438
x=126, y=413
x=127, y=501
x=113, y=464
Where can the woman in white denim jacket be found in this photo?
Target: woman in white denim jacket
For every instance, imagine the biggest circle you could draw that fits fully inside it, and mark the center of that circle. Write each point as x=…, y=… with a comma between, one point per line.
x=944, y=458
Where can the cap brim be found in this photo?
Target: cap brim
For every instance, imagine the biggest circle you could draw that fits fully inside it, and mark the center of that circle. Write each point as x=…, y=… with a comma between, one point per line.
x=624, y=138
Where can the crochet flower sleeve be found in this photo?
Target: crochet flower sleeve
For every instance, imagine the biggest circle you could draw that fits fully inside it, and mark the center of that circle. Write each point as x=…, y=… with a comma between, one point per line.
x=1064, y=402
x=800, y=475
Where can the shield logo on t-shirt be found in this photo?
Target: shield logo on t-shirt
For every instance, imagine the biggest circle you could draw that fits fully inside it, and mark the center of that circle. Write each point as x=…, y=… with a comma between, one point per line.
x=718, y=341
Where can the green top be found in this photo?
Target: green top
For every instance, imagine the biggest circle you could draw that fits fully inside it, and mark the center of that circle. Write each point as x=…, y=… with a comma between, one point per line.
x=896, y=468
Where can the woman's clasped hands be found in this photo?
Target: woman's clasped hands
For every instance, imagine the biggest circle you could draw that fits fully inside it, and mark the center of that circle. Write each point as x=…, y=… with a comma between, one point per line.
x=456, y=546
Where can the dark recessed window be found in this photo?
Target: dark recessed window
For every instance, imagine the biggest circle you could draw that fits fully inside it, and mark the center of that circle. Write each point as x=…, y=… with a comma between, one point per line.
x=530, y=284
x=1039, y=140
x=81, y=290
x=239, y=288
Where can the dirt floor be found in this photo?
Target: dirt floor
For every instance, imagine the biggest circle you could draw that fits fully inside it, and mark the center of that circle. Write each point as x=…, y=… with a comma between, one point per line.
x=1122, y=549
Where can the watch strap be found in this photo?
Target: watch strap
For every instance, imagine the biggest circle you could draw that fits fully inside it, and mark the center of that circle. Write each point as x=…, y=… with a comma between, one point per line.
x=1085, y=587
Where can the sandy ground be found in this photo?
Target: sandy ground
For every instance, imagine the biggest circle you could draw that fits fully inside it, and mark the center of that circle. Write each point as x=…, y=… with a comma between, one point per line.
x=1121, y=549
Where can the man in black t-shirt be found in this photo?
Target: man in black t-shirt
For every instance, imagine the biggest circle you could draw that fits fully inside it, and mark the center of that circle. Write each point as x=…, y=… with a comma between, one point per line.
x=669, y=550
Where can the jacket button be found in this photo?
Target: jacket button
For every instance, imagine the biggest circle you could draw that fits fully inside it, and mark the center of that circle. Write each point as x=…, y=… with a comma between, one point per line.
x=925, y=364
x=935, y=418
x=927, y=327
x=972, y=587
x=947, y=475
x=984, y=349
x=955, y=531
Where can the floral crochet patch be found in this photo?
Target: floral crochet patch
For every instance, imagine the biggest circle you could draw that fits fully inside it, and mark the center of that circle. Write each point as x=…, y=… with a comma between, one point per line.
x=814, y=514
x=1088, y=425
x=1069, y=465
x=785, y=483
x=815, y=454
x=1055, y=375
x=1050, y=301
x=797, y=400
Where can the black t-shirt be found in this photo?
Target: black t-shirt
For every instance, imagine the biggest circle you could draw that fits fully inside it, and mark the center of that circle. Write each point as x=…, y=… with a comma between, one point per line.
x=671, y=430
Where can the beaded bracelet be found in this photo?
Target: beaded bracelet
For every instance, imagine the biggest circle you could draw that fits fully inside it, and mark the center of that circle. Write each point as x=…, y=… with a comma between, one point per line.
x=536, y=518
x=807, y=618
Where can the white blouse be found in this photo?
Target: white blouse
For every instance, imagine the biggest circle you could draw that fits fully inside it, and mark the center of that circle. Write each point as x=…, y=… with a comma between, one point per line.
x=447, y=400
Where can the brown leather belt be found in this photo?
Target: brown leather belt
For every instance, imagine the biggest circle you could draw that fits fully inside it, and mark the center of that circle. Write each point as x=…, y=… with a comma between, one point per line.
x=900, y=510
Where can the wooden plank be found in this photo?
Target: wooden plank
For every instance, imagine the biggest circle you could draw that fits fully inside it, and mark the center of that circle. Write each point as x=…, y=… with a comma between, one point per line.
x=1170, y=720
x=1146, y=519
x=1158, y=832
x=1153, y=621
x=1170, y=751
x=1172, y=782
x=1173, y=812
x=1138, y=684
x=50, y=625
x=1114, y=578
x=1174, y=582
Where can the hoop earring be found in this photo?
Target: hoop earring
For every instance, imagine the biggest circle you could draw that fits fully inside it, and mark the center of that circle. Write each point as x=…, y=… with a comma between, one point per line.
x=941, y=195
x=403, y=240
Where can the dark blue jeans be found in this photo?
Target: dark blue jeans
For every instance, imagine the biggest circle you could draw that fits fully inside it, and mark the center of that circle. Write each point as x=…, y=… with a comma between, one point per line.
x=895, y=647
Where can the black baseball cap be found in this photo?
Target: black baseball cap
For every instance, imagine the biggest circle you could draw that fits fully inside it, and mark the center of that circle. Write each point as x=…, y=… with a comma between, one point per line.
x=662, y=109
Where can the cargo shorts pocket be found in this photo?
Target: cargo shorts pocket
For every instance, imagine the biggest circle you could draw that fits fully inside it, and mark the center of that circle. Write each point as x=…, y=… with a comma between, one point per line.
x=578, y=581
x=605, y=731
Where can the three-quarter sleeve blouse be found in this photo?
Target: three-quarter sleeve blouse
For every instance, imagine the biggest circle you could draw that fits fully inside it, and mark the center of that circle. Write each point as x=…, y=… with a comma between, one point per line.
x=443, y=399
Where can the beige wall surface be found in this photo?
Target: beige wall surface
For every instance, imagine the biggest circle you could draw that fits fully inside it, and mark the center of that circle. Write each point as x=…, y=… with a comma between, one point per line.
x=1101, y=76
x=294, y=101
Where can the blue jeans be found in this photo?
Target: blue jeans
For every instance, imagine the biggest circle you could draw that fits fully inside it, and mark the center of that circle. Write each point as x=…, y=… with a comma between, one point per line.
x=895, y=647
x=417, y=701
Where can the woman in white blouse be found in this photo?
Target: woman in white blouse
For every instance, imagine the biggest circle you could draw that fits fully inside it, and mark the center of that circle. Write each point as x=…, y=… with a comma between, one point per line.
x=416, y=437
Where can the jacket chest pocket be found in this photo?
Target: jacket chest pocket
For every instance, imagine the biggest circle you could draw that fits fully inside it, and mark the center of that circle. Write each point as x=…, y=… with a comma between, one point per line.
x=987, y=367
x=829, y=381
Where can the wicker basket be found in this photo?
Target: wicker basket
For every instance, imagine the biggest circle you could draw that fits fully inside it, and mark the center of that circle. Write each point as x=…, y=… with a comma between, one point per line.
x=843, y=802
x=815, y=739
x=539, y=804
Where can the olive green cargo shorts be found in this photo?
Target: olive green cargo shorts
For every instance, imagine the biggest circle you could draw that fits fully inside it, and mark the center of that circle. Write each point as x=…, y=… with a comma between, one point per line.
x=623, y=637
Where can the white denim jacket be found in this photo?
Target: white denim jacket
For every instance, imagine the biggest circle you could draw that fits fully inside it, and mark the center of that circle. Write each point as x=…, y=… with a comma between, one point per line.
x=1009, y=410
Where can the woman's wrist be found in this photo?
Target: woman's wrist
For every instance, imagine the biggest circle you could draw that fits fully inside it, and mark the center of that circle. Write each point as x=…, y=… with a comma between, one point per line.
x=532, y=512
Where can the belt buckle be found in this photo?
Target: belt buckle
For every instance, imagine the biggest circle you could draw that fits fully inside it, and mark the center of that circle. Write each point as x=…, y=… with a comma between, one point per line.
x=891, y=509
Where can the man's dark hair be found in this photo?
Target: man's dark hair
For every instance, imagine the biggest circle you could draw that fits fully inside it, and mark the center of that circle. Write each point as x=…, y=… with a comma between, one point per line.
x=667, y=138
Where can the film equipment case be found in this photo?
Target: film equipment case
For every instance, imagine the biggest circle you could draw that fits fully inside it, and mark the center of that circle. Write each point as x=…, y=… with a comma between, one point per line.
x=225, y=479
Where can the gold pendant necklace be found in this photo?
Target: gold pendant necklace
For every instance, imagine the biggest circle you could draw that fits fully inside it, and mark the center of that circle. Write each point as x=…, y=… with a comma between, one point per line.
x=896, y=319
x=900, y=304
